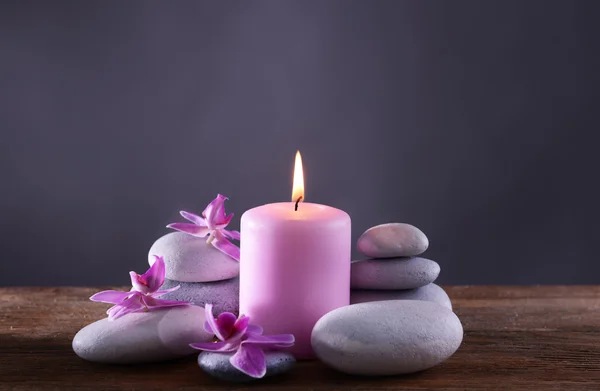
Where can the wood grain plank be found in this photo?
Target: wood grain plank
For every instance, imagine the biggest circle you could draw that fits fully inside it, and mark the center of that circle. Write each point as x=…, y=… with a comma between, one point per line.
x=516, y=338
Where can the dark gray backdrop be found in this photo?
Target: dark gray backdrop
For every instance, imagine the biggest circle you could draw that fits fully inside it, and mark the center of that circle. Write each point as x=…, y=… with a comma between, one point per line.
x=474, y=120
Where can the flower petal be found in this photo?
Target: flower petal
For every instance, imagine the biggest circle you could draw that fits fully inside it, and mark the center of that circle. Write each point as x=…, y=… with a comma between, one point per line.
x=222, y=244
x=154, y=277
x=138, y=284
x=164, y=291
x=211, y=322
x=250, y=360
x=215, y=346
x=223, y=222
x=133, y=304
x=112, y=297
x=215, y=211
x=239, y=329
x=278, y=341
x=226, y=322
x=194, y=218
x=231, y=234
x=191, y=229
x=254, y=329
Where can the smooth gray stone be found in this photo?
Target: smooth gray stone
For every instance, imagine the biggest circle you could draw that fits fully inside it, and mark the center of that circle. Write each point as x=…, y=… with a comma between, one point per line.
x=392, y=240
x=142, y=337
x=396, y=273
x=218, y=365
x=191, y=259
x=429, y=292
x=387, y=337
x=224, y=295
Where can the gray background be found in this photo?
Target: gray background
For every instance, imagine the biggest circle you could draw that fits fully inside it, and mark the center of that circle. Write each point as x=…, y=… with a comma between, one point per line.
x=477, y=121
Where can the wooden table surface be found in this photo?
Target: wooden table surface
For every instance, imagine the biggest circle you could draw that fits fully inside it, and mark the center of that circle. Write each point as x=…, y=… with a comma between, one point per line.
x=516, y=338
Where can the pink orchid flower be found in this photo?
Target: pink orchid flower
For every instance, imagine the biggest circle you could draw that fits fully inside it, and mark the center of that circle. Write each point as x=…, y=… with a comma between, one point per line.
x=212, y=223
x=143, y=295
x=237, y=335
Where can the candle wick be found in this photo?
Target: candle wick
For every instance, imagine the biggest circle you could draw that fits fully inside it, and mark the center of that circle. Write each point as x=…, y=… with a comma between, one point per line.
x=296, y=208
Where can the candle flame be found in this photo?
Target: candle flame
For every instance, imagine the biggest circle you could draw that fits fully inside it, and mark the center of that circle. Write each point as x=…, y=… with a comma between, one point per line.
x=298, y=188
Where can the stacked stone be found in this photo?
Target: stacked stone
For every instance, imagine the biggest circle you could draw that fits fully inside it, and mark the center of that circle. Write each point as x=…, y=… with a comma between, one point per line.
x=399, y=321
x=204, y=274
x=394, y=270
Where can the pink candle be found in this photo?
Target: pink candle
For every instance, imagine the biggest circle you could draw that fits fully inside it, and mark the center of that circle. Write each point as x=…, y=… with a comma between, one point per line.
x=294, y=265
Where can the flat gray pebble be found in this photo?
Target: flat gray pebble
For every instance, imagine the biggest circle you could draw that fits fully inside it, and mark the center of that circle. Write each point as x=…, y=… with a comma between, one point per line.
x=218, y=365
x=142, y=337
x=191, y=259
x=387, y=337
x=429, y=292
x=392, y=240
x=394, y=273
x=224, y=295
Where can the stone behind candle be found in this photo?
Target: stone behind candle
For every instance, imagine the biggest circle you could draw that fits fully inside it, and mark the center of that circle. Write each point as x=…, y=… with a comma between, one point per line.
x=430, y=292
x=191, y=259
x=218, y=365
x=143, y=336
x=392, y=240
x=387, y=337
x=224, y=295
x=396, y=273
